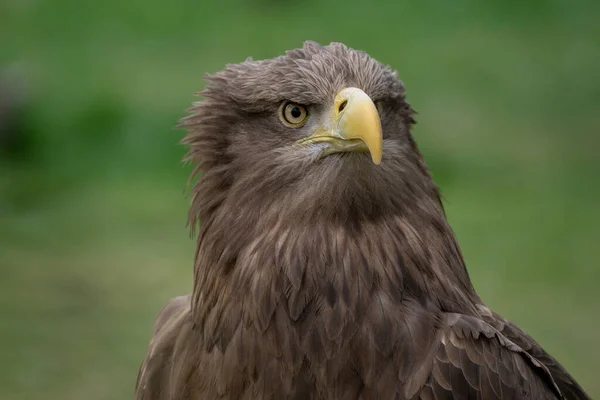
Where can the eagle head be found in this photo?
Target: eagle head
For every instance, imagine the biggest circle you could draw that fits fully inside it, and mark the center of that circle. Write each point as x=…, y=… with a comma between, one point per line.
x=322, y=131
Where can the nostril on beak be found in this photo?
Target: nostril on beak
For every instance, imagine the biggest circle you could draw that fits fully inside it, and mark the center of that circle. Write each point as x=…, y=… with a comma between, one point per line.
x=342, y=106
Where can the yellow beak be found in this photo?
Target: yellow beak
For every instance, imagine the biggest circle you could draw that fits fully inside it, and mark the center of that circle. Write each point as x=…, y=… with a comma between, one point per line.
x=355, y=126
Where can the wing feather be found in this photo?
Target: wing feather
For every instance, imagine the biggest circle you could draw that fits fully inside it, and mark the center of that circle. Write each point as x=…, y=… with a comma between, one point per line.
x=153, y=381
x=570, y=389
x=475, y=361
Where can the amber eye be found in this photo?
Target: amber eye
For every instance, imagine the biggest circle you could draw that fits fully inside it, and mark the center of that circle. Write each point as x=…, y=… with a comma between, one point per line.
x=293, y=114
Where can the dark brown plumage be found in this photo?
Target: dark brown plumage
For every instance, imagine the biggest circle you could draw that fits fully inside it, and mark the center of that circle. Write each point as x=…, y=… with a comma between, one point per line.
x=327, y=277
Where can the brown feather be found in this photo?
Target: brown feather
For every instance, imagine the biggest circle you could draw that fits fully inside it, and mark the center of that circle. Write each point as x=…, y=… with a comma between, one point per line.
x=326, y=278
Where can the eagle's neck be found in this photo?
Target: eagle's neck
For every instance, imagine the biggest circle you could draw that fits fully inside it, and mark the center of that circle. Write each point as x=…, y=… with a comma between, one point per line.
x=246, y=270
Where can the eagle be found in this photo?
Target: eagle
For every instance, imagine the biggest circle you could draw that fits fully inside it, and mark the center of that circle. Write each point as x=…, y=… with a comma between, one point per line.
x=325, y=266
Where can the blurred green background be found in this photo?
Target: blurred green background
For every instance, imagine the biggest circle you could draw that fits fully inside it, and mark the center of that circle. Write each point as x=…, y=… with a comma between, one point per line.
x=92, y=193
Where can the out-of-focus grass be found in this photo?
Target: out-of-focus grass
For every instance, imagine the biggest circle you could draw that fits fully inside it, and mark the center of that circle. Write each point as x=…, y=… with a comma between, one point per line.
x=92, y=221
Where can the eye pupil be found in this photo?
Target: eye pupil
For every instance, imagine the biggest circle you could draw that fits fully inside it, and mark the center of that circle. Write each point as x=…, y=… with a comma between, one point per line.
x=296, y=112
